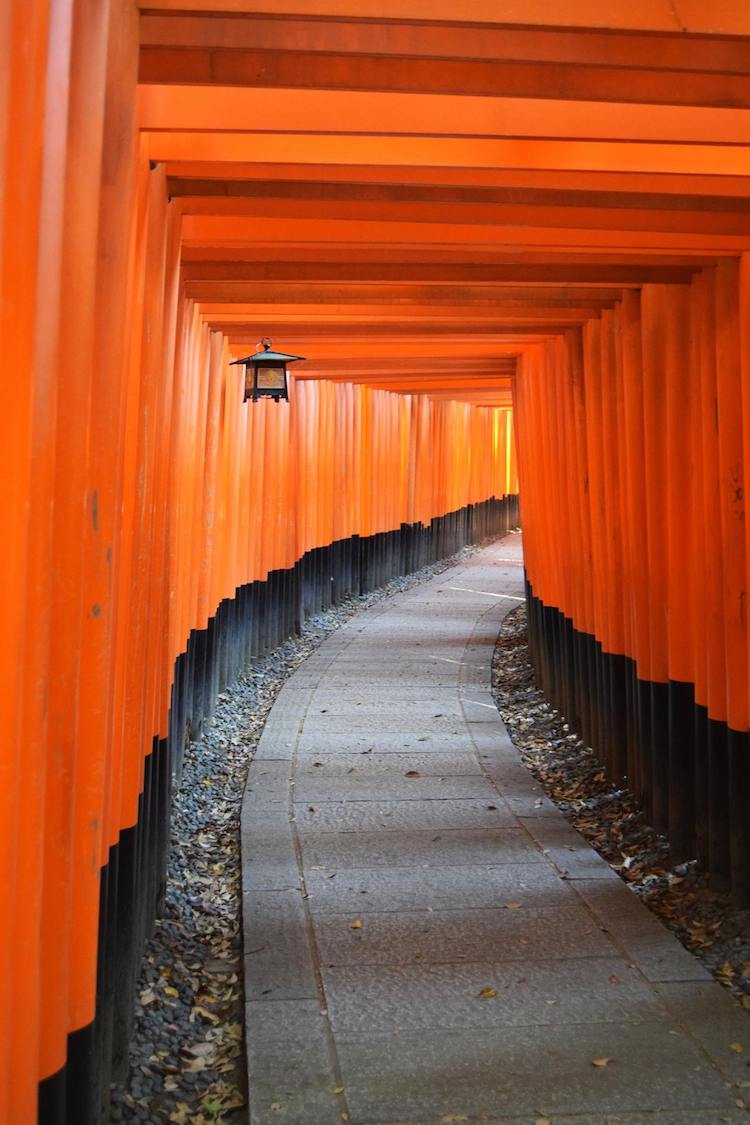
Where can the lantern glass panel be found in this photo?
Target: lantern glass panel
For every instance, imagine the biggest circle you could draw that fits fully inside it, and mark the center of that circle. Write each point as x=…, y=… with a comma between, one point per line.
x=248, y=381
x=271, y=378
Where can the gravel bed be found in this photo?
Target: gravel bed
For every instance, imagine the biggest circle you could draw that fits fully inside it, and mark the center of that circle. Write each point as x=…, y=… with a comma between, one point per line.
x=612, y=820
x=187, y=1059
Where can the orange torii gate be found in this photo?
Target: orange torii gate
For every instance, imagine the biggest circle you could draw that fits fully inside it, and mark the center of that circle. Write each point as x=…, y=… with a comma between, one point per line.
x=489, y=206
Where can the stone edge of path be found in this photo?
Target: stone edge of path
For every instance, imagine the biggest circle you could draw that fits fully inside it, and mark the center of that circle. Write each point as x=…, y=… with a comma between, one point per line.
x=295, y=1028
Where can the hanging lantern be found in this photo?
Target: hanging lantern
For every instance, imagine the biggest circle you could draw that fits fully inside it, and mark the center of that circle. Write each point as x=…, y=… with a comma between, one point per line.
x=265, y=372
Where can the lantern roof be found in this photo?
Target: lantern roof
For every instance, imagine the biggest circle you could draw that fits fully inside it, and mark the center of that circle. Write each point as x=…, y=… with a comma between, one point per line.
x=277, y=357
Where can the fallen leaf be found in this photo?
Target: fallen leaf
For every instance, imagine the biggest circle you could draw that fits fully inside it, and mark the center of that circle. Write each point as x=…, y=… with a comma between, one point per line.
x=195, y=1064
x=199, y=1050
x=338, y=1090
x=513, y=906
x=147, y=997
x=745, y=1001
x=543, y=1121
x=601, y=1062
x=456, y=1117
x=204, y=1014
x=356, y=924
x=614, y=980
x=412, y=773
x=276, y=1106
x=736, y=1047
x=488, y=994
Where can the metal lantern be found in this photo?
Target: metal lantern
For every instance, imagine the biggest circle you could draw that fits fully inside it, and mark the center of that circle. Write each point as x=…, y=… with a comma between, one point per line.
x=265, y=373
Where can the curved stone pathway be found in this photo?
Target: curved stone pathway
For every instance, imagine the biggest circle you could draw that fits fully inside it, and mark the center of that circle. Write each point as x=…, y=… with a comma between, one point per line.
x=426, y=939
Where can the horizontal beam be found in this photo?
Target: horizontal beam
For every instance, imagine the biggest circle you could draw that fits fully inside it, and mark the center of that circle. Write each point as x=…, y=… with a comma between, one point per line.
x=498, y=77
x=723, y=17
x=456, y=286
x=213, y=190
x=437, y=380
x=222, y=263
x=545, y=321
x=237, y=109
x=508, y=333
x=551, y=179
x=674, y=52
x=476, y=392
x=242, y=229
x=407, y=299
x=449, y=152
x=726, y=221
x=335, y=329
x=401, y=366
x=504, y=343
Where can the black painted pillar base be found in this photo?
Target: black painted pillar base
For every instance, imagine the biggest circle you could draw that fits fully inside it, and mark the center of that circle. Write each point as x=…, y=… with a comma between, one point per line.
x=691, y=773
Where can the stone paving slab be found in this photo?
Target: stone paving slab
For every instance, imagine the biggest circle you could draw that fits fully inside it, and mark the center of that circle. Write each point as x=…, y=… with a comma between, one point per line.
x=420, y=670
x=444, y=763
x=710, y=1014
x=378, y=906
x=384, y=741
x=418, y=709
x=415, y=997
x=457, y=936
x=445, y=679
x=452, y=888
x=271, y=857
x=682, y=1117
x=647, y=942
x=267, y=792
x=568, y=850
x=290, y=1071
x=532, y=806
x=540, y=1071
x=278, y=749
x=398, y=696
x=406, y=720
x=379, y=663
x=391, y=786
x=370, y=816
x=277, y=960
x=338, y=850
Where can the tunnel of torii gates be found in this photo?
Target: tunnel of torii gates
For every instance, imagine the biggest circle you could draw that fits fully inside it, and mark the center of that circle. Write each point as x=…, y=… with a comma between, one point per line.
x=454, y=211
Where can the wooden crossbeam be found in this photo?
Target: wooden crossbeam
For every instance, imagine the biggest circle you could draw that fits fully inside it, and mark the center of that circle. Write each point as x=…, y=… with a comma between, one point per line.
x=414, y=202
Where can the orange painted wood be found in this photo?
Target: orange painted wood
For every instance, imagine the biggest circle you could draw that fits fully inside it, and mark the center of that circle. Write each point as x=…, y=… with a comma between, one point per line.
x=450, y=217
x=649, y=15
